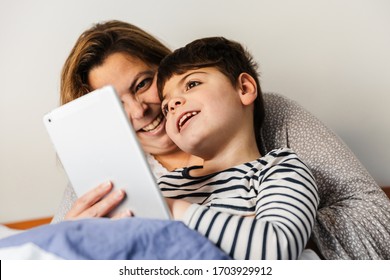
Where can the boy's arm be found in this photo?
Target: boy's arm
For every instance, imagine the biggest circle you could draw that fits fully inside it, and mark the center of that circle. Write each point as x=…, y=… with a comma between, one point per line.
x=285, y=211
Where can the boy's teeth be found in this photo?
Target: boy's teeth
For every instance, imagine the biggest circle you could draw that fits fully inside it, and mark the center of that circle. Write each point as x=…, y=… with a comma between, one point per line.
x=185, y=118
x=153, y=125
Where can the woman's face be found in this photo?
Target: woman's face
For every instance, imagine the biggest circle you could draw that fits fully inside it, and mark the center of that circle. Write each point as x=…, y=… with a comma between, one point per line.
x=135, y=83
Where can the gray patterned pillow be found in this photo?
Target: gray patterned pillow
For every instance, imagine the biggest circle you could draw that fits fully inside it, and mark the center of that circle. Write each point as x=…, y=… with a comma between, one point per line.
x=353, y=221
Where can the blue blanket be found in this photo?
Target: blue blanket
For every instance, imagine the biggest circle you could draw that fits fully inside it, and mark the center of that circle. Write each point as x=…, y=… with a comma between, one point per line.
x=107, y=239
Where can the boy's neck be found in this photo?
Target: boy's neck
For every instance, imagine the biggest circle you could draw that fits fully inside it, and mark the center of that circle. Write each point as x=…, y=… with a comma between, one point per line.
x=232, y=155
x=178, y=159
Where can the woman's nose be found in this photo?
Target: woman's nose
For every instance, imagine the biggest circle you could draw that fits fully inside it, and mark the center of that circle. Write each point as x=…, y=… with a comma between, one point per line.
x=135, y=109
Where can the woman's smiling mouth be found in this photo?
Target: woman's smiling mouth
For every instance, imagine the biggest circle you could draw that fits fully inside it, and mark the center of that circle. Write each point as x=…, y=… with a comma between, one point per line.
x=154, y=124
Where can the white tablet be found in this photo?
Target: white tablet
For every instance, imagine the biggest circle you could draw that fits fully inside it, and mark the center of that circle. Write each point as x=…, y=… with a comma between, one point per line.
x=95, y=143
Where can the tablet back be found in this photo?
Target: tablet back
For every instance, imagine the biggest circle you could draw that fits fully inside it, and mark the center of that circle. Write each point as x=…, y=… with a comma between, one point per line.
x=95, y=143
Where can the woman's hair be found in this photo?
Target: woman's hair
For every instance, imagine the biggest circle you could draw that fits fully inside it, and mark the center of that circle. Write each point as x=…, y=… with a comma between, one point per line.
x=96, y=44
x=227, y=56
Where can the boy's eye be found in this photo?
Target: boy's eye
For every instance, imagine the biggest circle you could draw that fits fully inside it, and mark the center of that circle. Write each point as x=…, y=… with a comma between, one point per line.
x=192, y=84
x=165, y=110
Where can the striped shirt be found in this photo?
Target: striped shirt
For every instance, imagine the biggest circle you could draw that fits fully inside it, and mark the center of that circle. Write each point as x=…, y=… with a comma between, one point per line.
x=264, y=209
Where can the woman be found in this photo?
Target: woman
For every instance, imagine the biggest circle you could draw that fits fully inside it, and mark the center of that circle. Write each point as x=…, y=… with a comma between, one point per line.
x=353, y=208
x=120, y=54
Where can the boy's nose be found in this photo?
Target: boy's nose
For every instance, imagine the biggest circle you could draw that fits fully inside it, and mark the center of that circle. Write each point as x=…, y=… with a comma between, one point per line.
x=175, y=102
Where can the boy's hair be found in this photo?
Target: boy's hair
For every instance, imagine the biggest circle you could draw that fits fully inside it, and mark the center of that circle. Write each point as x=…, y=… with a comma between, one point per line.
x=227, y=56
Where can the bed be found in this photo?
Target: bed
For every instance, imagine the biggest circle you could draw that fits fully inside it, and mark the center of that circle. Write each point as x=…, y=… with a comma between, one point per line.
x=108, y=239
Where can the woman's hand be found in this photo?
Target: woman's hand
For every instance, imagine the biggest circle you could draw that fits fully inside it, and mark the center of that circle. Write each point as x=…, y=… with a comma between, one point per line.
x=95, y=203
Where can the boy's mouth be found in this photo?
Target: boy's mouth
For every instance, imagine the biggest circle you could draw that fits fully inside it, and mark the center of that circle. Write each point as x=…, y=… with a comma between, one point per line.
x=184, y=118
x=154, y=124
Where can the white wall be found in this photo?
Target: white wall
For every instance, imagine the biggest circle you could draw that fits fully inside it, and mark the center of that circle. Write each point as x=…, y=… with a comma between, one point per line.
x=332, y=56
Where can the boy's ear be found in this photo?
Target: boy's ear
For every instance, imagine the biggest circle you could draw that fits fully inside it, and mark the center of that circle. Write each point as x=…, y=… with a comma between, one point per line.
x=248, y=88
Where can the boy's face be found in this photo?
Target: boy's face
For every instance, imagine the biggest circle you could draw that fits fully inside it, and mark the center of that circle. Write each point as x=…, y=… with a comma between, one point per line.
x=203, y=111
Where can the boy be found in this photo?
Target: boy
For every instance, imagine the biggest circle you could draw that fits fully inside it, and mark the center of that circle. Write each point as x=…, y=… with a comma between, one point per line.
x=249, y=205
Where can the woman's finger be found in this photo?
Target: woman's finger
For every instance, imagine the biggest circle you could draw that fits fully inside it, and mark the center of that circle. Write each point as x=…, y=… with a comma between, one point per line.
x=123, y=214
x=88, y=200
x=105, y=206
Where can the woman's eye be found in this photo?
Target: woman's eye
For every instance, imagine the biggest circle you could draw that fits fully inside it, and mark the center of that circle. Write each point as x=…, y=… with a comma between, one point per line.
x=143, y=84
x=192, y=84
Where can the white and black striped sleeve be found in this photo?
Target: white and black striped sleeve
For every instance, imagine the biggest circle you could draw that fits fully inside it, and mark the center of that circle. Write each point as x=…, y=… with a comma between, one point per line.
x=286, y=205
